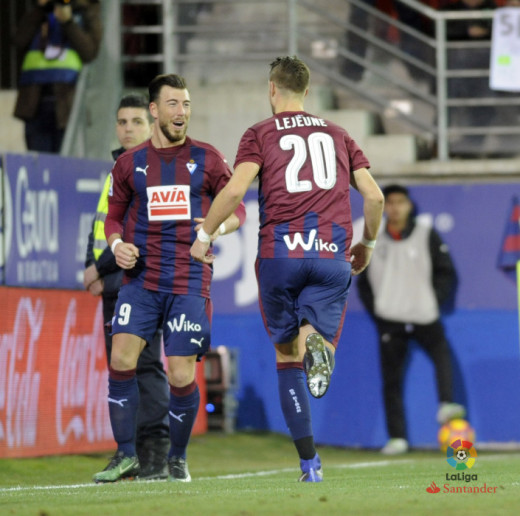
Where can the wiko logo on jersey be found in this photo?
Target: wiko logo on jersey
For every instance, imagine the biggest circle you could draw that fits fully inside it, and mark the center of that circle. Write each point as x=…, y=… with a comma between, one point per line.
x=169, y=202
x=183, y=324
x=312, y=243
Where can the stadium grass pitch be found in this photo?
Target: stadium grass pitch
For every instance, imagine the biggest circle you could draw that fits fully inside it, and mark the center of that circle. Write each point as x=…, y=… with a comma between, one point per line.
x=248, y=474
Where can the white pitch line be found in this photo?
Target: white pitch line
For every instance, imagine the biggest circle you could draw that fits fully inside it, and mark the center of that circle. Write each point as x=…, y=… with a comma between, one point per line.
x=355, y=465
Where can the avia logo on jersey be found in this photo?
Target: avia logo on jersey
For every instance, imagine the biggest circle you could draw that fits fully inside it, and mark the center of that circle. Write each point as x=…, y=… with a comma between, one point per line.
x=312, y=244
x=183, y=324
x=170, y=202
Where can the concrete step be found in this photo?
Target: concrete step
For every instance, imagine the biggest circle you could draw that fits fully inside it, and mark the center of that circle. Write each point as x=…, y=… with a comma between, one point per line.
x=384, y=151
x=221, y=112
x=389, y=151
x=12, y=137
x=359, y=123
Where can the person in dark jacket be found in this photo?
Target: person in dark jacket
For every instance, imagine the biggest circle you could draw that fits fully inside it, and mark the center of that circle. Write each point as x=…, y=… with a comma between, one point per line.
x=470, y=50
x=103, y=277
x=57, y=39
x=411, y=276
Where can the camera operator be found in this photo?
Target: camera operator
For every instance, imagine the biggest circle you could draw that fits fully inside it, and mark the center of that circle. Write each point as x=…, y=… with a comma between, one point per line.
x=57, y=38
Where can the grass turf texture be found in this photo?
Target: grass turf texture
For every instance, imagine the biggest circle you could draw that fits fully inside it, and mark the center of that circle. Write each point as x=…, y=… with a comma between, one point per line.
x=252, y=474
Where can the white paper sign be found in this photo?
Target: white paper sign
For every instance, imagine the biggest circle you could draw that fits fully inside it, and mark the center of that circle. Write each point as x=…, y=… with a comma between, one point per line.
x=505, y=50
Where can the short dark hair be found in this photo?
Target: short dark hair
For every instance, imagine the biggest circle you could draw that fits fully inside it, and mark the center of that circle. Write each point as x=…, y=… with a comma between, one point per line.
x=167, y=79
x=395, y=188
x=133, y=100
x=290, y=73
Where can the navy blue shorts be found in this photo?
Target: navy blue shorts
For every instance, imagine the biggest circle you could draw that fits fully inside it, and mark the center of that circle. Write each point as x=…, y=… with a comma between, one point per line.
x=185, y=319
x=293, y=289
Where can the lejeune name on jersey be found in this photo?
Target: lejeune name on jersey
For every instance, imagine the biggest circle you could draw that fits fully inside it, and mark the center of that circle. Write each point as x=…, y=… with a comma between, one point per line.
x=289, y=122
x=170, y=202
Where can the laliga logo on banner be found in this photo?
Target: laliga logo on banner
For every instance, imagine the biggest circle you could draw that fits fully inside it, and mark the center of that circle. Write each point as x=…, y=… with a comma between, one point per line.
x=19, y=382
x=169, y=202
x=81, y=391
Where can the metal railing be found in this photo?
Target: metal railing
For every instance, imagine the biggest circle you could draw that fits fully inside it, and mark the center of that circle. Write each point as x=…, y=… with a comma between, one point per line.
x=465, y=114
x=92, y=119
x=411, y=72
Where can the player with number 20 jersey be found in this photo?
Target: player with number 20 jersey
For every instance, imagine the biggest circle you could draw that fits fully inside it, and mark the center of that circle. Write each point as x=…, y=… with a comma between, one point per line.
x=304, y=197
x=305, y=166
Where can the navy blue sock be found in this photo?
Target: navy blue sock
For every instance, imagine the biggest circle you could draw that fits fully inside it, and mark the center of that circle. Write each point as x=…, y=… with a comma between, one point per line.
x=184, y=405
x=123, y=400
x=295, y=407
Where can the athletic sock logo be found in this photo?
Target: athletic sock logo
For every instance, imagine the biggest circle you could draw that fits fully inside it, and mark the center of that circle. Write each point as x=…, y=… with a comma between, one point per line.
x=117, y=402
x=177, y=417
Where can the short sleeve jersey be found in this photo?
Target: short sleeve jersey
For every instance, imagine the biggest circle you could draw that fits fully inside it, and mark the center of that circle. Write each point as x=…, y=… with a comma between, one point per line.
x=154, y=196
x=303, y=192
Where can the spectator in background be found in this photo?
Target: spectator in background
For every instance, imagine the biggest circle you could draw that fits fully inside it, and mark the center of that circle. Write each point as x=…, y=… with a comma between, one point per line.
x=410, y=277
x=462, y=58
x=413, y=47
x=467, y=30
x=362, y=20
x=356, y=44
x=57, y=38
x=103, y=277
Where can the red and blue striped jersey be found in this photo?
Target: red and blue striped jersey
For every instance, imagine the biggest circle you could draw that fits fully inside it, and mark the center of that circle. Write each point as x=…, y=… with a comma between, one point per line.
x=154, y=196
x=304, y=185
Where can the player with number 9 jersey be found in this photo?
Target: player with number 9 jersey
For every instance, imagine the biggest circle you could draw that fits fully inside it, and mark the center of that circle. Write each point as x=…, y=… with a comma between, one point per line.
x=160, y=193
x=155, y=197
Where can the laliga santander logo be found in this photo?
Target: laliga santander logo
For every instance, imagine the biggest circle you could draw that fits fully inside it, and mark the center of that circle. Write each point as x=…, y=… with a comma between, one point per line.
x=461, y=454
x=433, y=488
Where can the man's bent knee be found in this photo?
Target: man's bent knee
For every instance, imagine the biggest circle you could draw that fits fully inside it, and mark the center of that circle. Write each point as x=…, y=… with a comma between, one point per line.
x=126, y=349
x=181, y=370
x=287, y=352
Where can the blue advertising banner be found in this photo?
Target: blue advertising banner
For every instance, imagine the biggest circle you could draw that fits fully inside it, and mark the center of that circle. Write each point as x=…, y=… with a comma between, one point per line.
x=234, y=288
x=475, y=221
x=48, y=203
x=47, y=206
x=471, y=219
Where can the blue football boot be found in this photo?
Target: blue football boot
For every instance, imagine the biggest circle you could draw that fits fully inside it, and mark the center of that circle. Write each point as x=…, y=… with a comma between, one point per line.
x=311, y=470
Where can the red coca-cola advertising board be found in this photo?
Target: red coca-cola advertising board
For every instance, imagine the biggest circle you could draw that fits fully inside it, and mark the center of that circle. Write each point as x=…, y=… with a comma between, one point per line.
x=53, y=374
